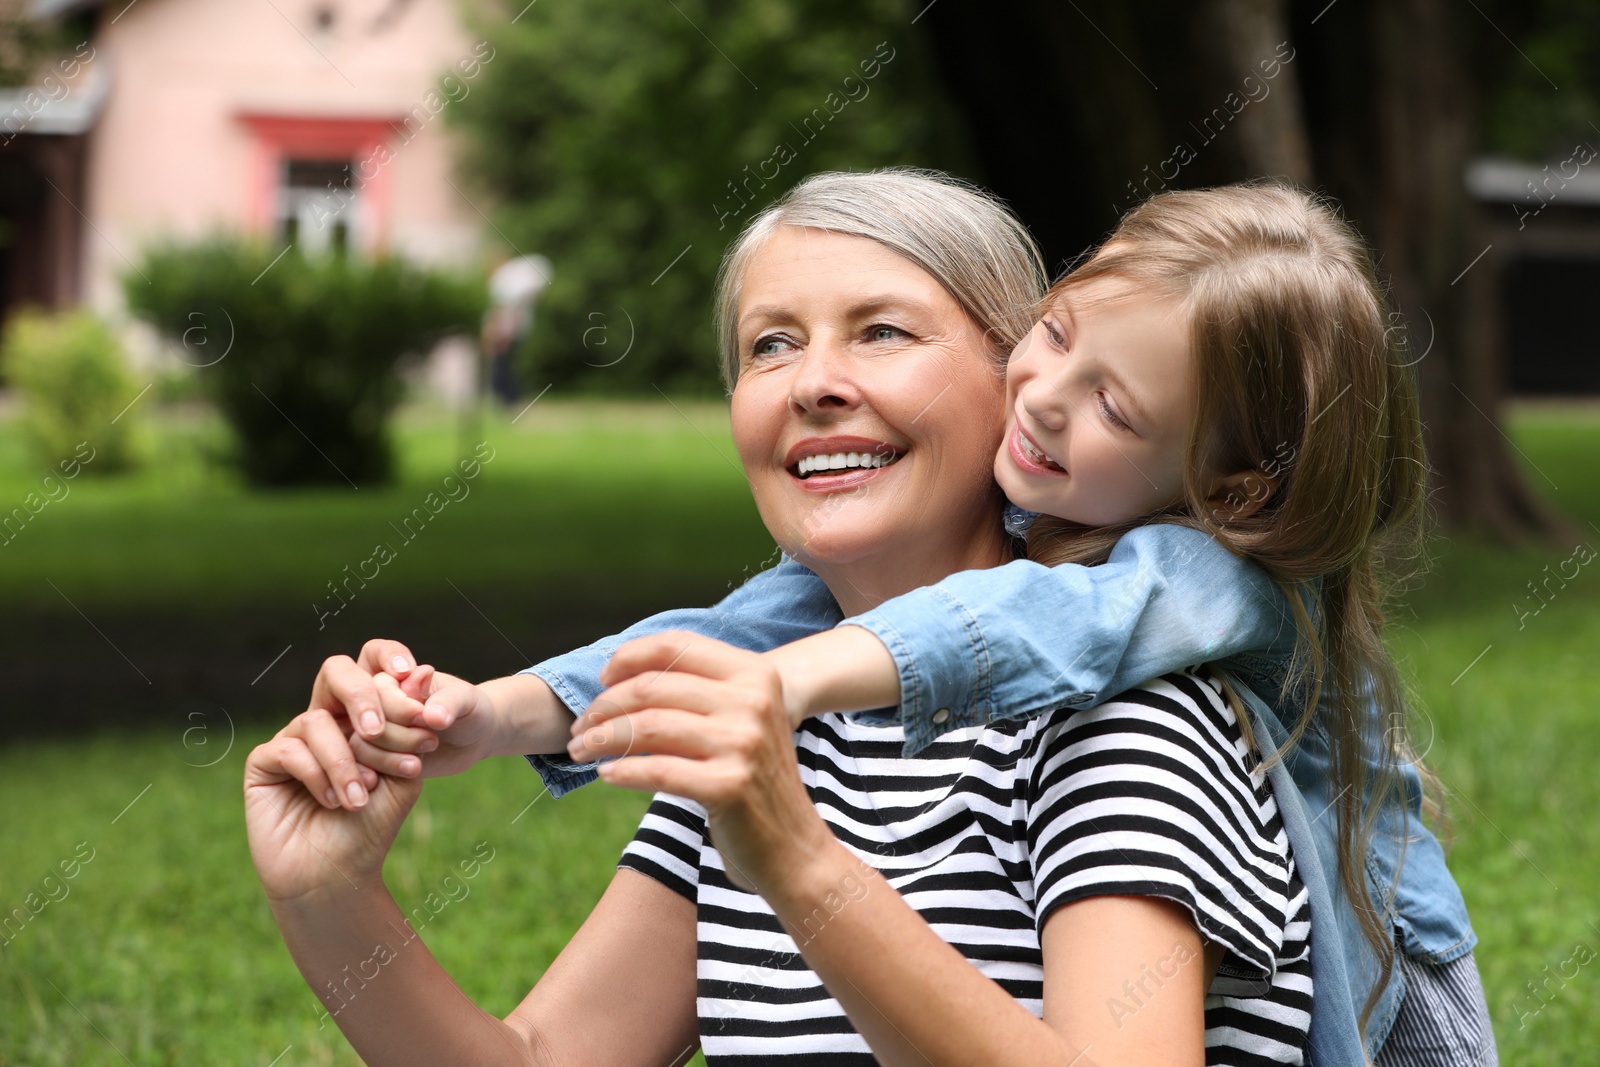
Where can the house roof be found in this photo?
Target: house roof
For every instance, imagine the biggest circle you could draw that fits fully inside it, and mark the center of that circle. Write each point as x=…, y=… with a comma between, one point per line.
x=1516, y=182
x=70, y=114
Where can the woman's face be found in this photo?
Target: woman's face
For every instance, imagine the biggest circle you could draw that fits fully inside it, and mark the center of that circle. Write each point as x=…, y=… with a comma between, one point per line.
x=866, y=414
x=1100, y=398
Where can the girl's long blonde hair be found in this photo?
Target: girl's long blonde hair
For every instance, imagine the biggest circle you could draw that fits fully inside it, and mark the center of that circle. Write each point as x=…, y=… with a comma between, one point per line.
x=1297, y=378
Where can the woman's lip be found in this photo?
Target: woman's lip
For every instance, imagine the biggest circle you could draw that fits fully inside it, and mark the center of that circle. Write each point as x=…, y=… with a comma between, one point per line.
x=835, y=481
x=1020, y=458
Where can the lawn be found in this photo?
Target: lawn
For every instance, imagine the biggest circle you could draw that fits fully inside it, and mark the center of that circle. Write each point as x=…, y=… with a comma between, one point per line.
x=160, y=950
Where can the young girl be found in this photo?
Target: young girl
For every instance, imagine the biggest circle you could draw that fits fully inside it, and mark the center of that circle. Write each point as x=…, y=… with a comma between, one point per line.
x=1212, y=386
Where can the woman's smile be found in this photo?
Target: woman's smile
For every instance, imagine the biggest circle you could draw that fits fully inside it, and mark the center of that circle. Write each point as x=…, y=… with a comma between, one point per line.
x=829, y=464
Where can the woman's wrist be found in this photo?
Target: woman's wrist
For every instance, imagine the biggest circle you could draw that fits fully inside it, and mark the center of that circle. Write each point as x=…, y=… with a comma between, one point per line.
x=353, y=892
x=824, y=879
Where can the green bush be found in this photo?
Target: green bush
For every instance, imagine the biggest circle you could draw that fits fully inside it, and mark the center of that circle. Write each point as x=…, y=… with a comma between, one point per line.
x=74, y=382
x=301, y=352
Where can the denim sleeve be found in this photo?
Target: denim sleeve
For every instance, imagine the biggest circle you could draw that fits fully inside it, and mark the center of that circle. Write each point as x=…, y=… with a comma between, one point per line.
x=1021, y=639
x=779, y=605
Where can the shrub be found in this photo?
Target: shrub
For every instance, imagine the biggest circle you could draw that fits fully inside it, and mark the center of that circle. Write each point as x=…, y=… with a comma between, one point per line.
x=70, y=371
x=300, y=353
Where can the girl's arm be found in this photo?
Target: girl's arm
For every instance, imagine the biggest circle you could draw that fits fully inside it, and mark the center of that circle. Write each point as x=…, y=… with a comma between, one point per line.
x=529, y=713
x=1022, y=639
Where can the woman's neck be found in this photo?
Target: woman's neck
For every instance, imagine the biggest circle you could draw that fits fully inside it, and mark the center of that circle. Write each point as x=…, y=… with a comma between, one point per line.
x=862, y=583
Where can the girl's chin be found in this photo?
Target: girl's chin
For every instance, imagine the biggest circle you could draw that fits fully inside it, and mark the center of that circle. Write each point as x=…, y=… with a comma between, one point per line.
x=1023, y=492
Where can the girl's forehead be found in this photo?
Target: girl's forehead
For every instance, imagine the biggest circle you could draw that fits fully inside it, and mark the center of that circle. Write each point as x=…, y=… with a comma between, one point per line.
x=1077, y=297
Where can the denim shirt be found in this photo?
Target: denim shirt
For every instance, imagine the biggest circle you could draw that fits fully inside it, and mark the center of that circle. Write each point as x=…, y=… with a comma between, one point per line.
x=1023, y=639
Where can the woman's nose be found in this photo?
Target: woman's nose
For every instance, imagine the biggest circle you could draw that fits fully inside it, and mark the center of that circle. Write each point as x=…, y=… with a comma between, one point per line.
x=822, y=380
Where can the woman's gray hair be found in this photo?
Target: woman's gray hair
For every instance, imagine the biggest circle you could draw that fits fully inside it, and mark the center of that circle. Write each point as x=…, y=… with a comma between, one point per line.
x=966, y=239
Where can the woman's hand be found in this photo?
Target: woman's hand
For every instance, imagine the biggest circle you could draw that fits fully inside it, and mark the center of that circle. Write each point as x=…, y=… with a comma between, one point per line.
x=704, y=720
x=302, y=846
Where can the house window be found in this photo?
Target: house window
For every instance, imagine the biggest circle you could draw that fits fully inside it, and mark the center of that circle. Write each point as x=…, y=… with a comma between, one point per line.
x=318, y=204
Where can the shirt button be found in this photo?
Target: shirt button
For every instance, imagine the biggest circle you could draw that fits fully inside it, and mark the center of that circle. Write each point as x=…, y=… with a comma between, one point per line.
x=941, y=716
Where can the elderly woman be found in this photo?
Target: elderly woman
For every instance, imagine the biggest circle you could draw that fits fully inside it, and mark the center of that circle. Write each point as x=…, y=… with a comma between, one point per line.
x=1007, y=930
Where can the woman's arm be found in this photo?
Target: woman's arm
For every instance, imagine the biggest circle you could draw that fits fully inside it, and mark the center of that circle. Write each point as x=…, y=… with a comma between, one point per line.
x=622, y=992
x=716, y=733
x=917, y=1000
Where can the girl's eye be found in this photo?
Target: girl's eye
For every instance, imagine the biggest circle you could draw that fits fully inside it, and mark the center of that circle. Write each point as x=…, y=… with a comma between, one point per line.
x=1053, y=333
x=1111, y=416
x=881, y=332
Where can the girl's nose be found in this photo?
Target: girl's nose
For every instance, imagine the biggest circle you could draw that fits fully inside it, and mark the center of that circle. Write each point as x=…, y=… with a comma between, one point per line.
x=1045, y=401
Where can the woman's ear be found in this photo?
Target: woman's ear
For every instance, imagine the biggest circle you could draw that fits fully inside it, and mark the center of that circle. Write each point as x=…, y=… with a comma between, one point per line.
x=1240, y=495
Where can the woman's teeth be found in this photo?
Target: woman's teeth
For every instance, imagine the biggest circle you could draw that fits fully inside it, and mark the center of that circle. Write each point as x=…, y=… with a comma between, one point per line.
x=839, y=461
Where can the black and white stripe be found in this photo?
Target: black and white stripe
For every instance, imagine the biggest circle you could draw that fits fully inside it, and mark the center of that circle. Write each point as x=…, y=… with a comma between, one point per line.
x=989, y=830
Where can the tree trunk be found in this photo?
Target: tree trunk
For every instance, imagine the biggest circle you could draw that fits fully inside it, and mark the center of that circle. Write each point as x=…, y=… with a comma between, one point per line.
x=1443, y=267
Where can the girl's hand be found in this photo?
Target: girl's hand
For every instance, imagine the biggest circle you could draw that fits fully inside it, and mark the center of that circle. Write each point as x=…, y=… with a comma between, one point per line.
x=447, y=722
x=384, y=712
x=704, y=720
x=304, y=847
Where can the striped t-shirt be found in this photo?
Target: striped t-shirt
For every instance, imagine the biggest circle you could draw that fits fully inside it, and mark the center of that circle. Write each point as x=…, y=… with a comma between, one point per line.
x=988, y=830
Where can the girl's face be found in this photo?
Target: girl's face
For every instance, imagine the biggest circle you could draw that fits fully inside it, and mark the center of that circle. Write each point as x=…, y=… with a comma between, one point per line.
x=1100, y=405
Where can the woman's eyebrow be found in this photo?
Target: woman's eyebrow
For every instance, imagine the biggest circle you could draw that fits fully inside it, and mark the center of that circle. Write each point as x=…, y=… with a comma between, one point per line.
x=862, y=307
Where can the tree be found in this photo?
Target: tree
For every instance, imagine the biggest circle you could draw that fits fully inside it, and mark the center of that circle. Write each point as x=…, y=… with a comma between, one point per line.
x=1367, y=99
x=630, y=140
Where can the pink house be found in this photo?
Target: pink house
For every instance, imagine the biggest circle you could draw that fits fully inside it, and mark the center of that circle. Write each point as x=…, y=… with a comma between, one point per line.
x=318, y=122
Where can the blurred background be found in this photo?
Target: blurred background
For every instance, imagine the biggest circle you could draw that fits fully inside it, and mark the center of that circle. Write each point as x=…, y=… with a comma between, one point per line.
x=323, y=320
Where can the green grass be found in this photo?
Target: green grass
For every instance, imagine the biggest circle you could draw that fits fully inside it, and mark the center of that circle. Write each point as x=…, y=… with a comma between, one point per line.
x=629, y=489
x=164, y=947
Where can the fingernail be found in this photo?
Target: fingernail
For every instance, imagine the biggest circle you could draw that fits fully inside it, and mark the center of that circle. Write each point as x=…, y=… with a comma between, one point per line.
x=357, y=795
x=410, y=766
x=440, y=713
x=399, y=664
x=370, y=722
x=330, y=796
x=430, y=744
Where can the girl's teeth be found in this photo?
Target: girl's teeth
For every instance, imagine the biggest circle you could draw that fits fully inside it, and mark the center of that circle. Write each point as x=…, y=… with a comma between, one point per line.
x=1035, y=454
x=837, y=461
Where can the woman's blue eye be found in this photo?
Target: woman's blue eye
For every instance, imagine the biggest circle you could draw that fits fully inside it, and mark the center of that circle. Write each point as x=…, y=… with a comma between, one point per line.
x=766, y=346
